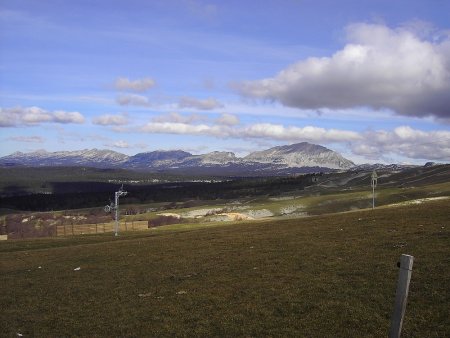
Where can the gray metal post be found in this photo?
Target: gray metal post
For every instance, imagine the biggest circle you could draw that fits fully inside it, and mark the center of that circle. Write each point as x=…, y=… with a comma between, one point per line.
x=116, y=202
x=404, y=278
x=373, y=196
x=374, y=180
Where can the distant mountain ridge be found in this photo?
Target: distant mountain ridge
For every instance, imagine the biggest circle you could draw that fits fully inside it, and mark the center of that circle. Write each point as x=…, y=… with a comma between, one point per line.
x=86, y=157
x=299, y=157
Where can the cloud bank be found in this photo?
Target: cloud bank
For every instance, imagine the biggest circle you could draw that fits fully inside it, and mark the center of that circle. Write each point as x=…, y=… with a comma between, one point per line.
x=31, y=116
x=382, y=68
x=402, y=141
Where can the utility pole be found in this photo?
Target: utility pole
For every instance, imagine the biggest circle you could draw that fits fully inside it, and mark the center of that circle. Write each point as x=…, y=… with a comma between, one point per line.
x=374, y=184
x=115, y=206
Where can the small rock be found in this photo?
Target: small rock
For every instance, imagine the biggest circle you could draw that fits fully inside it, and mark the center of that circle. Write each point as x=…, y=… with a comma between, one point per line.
x=148, y=294
x=77, y=269
x=182, y=292
x=39, y=267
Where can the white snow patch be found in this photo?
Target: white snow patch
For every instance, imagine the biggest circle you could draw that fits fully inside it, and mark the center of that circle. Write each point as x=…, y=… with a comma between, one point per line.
x=290, y=209
x=200, y=212
x=169, y=214
x=258, y=213
x=420, y=201
x=282, y=198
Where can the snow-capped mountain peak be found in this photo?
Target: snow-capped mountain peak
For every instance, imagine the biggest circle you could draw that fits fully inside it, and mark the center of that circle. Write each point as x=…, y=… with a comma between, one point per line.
x=279, y=159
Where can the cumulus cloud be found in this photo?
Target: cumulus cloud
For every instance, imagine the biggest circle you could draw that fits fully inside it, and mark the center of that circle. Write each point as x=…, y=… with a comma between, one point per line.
x=121, y=144
x=200, y=104
x=67, y=117
x=185, y=129
x=397, y=69
x=133, y=100
x=139, y=85
x=297, y=134
x=111, y=120
x=178, y=118
x=17, y=116
x=405, y=141
x=228, y=119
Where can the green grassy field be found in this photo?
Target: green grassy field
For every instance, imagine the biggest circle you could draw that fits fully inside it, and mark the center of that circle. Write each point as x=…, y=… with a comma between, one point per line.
x=324, y=276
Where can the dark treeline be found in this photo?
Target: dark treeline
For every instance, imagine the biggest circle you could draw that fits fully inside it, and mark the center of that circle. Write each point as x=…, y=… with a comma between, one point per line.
x=76, y=195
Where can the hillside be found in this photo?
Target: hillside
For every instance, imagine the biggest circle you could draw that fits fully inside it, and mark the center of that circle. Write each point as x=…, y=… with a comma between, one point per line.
x=327, y=276
x=48, y=188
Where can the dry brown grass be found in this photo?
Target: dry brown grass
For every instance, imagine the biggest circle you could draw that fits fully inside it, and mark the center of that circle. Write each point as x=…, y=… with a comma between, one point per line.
x=325, y=276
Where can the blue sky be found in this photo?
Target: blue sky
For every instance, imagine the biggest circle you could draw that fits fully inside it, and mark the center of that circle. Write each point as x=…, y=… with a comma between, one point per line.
x=370, y=79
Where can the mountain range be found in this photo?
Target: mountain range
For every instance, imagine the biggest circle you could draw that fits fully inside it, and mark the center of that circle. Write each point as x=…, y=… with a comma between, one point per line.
x=296, y=158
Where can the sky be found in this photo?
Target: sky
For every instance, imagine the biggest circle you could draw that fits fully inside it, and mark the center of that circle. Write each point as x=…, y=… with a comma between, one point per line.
x=369, y=79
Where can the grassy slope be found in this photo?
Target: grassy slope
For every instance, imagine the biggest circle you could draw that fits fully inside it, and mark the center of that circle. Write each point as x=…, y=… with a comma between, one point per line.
x=324, y=276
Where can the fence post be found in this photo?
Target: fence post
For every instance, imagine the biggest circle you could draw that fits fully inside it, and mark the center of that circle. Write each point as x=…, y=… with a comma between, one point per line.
x=401, y=295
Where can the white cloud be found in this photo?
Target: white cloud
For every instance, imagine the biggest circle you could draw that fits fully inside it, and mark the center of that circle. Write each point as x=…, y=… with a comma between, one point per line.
x=185, y=129
x=121, y=144
x=133, y=100
x=31, y=115
x=200, y=104
x=139, y=85
x=111, y=120
x=228, y=120
x=256, y=131
x=406, y=142
x=297, y=134
x=67, y=117
x=17, y=116
x=379, y=68
x=178, y=118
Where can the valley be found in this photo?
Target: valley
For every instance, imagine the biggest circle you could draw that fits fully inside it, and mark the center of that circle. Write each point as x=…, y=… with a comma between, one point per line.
x=206, y=255
x=181, y=202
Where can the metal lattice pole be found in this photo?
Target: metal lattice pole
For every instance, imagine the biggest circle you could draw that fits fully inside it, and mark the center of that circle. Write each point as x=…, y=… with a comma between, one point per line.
x=115, y=206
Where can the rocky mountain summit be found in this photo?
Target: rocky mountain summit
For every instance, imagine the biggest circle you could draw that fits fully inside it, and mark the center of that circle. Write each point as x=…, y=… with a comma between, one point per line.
x=301, y=155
